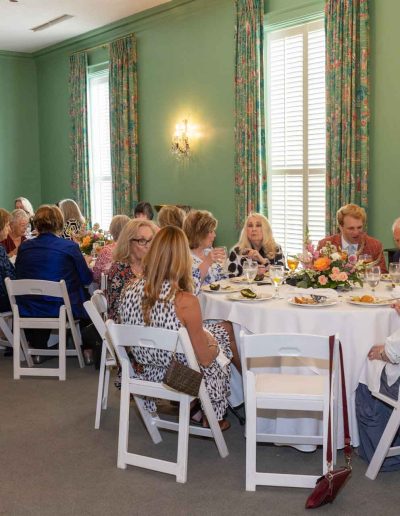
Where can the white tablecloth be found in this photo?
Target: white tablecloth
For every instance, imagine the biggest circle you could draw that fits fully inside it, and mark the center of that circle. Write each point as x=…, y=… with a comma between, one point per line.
x=358, y=327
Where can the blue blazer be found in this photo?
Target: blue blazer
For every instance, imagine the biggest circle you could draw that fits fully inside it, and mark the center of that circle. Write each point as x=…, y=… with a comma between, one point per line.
x=49, y=257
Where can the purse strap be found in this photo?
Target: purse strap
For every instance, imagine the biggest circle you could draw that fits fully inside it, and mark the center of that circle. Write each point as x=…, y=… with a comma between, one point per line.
x=347, y=441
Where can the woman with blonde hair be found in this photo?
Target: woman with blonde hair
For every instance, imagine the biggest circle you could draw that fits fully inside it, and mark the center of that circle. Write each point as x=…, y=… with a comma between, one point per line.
x=22, y=203
x=257, y=243
x=19, y=222
x=6, y=267
x=105, y=256
x=74, y=221
x=200, y=227
x=132, y=246
x=170, y=215
x=164, y=298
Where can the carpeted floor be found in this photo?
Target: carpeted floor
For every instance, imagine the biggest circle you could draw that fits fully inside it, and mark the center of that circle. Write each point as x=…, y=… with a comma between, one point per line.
x=53, y=462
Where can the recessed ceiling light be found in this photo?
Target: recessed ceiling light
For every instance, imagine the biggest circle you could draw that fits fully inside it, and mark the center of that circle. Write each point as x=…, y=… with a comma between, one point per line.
x=50, y=23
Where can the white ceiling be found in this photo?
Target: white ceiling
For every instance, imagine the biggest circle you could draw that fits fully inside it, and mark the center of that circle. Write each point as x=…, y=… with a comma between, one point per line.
x=16, y=19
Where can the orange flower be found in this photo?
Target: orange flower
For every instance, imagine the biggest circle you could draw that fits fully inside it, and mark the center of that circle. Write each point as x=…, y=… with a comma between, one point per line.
x=322, y=264
x=86, y=241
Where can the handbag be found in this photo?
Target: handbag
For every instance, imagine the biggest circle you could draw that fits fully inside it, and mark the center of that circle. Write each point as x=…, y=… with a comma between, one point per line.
x=328, y=486
x=182, y=378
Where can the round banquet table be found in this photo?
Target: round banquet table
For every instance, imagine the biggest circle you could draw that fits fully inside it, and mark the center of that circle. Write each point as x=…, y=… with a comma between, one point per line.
x=358, y=327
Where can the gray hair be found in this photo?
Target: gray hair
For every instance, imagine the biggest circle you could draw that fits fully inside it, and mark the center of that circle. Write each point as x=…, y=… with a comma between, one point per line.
x=18, y=214
x=396, y=224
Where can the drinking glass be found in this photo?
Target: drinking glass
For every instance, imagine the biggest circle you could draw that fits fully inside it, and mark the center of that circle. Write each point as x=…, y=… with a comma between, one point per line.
x=394, y=272
x=292, y=263
x=373, y=276
x=221, y=257
x=250, y=269
x=276, y=273
x=365, y=259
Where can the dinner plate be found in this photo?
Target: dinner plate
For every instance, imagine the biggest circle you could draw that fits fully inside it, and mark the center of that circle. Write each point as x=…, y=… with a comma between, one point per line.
x=240, y=279
x=224, y=289
x=239, y=297
x=386, y=277
x=380, y=301
x=327, y=302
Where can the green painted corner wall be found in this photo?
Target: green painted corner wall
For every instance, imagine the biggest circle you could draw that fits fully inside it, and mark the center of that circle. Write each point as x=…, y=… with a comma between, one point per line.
x=185, y=70
x=19, y=138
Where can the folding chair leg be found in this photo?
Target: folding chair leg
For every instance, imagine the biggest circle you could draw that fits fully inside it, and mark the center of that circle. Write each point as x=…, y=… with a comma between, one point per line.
x=100, y=386
x=251, y=436
x=148, y=421
x=76, y=337
x=25, y=349
x=212, y=421
x=123, y=425
x=17, y=353
x=384, y=445
x=183, y=441
x=105, y=389
x=61, y=347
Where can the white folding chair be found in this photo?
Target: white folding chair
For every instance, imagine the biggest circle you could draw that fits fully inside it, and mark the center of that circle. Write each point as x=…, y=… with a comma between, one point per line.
x=127, y=336
x=64, y=321
x=6, y=328
x=97, y=310
x=385, y=448
x=288, y=392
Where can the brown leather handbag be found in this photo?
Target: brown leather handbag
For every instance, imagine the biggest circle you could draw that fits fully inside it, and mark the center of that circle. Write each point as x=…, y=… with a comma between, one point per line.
x=328, y=486
x=183, y=378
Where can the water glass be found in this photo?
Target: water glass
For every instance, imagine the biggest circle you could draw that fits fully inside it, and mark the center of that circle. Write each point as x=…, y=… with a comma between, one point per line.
x=276, y=273
x=221, y=256
x=373, y=276
x=394, y=272
x=250, y=269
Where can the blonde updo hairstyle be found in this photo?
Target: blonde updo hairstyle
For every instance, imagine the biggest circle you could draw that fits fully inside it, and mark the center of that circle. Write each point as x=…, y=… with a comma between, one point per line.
x=268, y=242
x=168, y=259
x=171, y=216
x=122, y=251
x=198, y=224
x=117, y=224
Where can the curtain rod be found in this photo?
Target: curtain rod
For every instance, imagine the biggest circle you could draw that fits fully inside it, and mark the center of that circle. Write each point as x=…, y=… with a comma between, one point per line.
x=101, y=45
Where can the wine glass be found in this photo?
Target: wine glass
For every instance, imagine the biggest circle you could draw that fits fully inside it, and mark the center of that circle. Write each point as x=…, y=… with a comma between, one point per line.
x=394, y=272
x=292, y=263
x=250, y=269
x=276, y=273
x=365, y=259
x=373, y=276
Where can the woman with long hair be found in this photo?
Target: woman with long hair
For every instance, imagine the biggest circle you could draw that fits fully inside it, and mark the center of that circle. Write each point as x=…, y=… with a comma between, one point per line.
x=164, y=298
x=257, y=243
x=74, y=221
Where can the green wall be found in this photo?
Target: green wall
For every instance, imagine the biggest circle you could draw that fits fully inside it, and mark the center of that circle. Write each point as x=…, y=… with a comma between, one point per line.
x=185, y=70
x=19, y=141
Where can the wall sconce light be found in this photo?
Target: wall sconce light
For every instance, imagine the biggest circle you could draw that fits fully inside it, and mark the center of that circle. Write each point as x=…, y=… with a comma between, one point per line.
x=181, y=140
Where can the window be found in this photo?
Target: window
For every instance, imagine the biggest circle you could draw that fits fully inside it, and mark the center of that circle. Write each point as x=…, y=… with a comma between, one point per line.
x=99, y=149
x=296, y=133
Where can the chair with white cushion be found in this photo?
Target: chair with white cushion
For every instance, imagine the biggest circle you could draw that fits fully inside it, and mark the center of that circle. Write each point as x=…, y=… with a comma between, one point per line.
x=127, y=336
x=62, y=323
x=97, y=310
x=307, y=392
x=385, y=448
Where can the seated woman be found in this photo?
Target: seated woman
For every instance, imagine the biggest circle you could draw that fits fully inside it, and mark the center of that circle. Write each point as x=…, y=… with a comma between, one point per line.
x=143, y=210
x=51, y=258
x=373, y=414
x=133, y=244
x=200, y=227
x=257, y=243
x=164, y=299
x=171, y=216
x=105, y=258
x=74, y=221
x=6, y=267
x=19, y=221
x=22, y=203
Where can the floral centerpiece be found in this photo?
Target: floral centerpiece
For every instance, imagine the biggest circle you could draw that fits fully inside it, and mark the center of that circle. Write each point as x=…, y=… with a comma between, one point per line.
x=89, y=238
x=328, y=267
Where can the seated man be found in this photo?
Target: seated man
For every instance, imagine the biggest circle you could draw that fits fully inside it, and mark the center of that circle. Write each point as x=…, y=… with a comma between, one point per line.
x=351, y=237
x=396, y=238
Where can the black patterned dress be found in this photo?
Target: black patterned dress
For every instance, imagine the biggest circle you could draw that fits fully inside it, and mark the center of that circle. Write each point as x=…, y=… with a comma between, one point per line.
x=155, y=362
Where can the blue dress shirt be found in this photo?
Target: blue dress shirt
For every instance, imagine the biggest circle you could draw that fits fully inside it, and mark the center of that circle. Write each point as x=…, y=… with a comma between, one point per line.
x=51, y=258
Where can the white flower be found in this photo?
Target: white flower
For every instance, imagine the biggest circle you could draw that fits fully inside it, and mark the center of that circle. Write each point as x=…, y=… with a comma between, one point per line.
x=335, y=256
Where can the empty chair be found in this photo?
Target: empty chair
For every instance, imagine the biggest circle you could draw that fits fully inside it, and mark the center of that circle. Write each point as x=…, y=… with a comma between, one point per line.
x=97, y=310
x=127, y=336
x=61, y=323
x=288, y=392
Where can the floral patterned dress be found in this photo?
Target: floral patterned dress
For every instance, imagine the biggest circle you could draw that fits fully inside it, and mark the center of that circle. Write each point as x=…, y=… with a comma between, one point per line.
x=215, y=272
x=154, y=363
x=120, y=275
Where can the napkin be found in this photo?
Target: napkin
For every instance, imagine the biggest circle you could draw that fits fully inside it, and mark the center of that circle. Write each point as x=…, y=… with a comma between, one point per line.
x=328, y=292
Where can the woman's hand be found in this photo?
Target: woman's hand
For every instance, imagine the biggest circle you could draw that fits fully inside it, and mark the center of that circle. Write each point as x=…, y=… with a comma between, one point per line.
x=217, y=255
x=377, y=352
x=396, y=306
x=253, y=254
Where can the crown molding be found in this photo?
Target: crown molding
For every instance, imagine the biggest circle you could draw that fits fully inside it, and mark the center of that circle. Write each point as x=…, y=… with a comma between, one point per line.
x=10, y=54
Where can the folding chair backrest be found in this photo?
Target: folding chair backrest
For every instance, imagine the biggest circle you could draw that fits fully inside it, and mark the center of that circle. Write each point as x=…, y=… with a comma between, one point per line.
x=100, y=302
x=94, y=308
x=284, y=345
x=34, y=287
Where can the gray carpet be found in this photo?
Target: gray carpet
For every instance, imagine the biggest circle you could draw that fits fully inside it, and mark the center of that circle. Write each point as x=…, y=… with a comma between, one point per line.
x=53, y=462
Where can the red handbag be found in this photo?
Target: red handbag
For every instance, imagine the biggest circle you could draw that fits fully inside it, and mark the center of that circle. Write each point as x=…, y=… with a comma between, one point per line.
x=328, y=486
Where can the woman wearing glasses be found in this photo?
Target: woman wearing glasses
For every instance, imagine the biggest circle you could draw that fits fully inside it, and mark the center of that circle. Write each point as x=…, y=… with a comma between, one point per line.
x=133, y=244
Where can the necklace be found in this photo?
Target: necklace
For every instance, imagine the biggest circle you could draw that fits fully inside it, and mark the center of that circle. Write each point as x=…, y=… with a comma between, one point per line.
x=137, y=270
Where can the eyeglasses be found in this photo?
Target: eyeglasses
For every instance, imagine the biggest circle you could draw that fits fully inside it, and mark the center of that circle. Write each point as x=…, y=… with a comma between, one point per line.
x=141, y=241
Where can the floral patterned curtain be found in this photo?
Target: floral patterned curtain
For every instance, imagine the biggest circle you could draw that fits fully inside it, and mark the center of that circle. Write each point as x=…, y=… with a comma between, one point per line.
x=250, y=162
x=79, y=134
x=347, y=105
x=123, y=122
